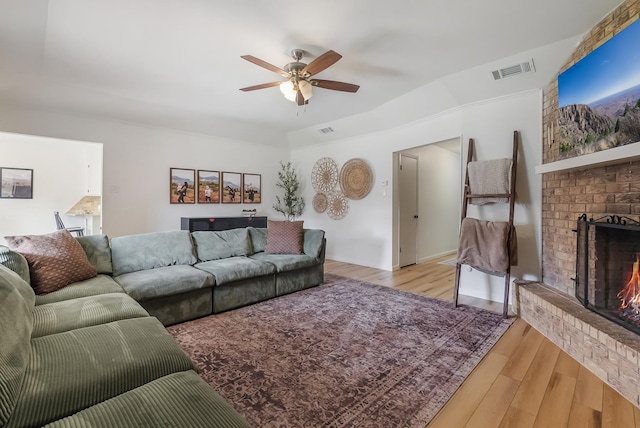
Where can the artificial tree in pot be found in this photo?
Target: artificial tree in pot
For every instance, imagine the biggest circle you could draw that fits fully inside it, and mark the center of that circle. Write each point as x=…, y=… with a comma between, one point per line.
x=292, y=204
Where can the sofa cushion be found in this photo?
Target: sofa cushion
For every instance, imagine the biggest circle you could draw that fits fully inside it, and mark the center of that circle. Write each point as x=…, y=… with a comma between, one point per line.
x=177, y=400
x=313, y=242
x=286, y=262
x=93, y=364
x=16, y=262
x=284, y=237
x=151, y=250
x=163, y=281
x=55, y=260
x=98, y=252
x=16, y=323
x=235, y=269
x=84, y=312
x=222, y=244
x=101, y=284
x=258, y=236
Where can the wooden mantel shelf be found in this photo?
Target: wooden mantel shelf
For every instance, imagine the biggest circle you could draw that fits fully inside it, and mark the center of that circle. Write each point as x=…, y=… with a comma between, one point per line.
x=621, y=154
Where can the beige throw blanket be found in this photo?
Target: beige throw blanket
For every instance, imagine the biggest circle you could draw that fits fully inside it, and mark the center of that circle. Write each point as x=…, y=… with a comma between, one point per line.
x=489, y=178
x=484, y=246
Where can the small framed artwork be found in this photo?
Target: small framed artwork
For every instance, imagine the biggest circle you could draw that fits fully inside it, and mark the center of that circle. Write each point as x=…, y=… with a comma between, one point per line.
x=231, y=187
x=208, y=187
x=251, y=188
x=16, y=183
x=182, y=185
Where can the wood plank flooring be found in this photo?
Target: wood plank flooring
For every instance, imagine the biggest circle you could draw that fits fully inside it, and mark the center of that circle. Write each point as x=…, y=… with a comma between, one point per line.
x=525, y=381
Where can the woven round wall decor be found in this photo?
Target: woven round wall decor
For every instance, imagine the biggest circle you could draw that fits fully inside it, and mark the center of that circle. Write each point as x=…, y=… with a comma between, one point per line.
x=320, y=202
x=324, y=175
x=338, y=205
x=356, y=179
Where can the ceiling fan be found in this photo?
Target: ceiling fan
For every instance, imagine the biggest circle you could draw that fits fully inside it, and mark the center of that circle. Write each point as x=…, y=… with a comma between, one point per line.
x=298, y=86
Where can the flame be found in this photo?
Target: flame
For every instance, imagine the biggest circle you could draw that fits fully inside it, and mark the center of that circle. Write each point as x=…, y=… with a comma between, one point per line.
x=630, y=294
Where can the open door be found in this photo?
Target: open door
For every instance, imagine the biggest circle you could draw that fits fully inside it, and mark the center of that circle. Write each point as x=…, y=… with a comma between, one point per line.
x=408, y=210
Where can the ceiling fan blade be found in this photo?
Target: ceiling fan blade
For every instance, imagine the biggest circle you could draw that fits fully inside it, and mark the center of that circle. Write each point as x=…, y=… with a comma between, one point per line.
x=299, y=98
x=265, y=64
x=324, y=61
x=335, y=86
x=261, y=86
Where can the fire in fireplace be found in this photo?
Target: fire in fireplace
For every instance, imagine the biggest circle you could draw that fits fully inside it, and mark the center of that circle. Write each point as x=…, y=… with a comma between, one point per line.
x=608, y=268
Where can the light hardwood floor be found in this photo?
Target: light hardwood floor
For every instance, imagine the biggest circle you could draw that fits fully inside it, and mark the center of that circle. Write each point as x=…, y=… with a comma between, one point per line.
x=524, y=381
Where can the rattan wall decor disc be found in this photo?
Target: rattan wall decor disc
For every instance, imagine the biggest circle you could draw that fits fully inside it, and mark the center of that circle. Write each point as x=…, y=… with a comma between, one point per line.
x=324, y=175
x=356, y=179
x=320, y=202
x=338, y=205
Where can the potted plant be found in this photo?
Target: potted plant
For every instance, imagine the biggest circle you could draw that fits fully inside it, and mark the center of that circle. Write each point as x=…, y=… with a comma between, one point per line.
x=292, y=204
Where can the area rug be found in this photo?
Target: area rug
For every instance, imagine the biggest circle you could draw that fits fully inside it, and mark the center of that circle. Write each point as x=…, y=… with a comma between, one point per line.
x=343, y=354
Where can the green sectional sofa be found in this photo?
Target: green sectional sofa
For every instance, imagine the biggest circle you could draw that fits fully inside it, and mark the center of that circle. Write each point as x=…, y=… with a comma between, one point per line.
x=95, y=353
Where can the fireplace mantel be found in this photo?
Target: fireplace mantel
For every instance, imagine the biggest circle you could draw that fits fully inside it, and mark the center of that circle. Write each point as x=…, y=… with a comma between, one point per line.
x=621, y=154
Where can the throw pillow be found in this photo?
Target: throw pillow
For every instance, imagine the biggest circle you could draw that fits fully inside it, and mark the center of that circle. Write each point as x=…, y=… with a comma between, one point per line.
x=55, y=260
x=284, y=237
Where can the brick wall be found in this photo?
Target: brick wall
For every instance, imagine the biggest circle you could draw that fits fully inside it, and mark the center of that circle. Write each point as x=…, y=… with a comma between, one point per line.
x=596, y=191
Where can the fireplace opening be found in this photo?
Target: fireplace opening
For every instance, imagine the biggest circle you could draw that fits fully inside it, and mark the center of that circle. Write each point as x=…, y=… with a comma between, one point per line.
x=608, y=268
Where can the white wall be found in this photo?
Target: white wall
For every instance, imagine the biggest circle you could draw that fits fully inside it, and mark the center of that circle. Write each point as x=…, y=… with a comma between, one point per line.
x=439, y=196
x=63, y=172
x=365, y=236
x=137, y=159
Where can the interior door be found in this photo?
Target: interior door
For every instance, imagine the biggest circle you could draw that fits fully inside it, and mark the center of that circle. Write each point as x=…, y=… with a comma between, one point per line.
x=408, y=215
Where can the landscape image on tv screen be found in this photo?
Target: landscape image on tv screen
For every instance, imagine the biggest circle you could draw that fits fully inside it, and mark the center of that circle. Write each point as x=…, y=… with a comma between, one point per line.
x=599, y=97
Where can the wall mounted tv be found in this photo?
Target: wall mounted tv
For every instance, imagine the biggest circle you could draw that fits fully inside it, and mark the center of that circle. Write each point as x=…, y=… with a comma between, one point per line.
x=599, y=97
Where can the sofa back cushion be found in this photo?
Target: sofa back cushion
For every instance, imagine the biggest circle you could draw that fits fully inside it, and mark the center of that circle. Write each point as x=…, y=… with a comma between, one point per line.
x=313, y=242
x=151, y=250
x=222, y=244
x=98, y=252
x=16, y=262
x=55, y=260
x=258, y=236
x=17, y=301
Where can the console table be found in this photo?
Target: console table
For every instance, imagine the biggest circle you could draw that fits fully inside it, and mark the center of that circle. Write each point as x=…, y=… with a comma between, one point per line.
x=193, y=224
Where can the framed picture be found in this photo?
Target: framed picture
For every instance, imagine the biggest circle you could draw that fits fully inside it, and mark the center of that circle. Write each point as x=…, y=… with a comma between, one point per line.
x=16, y=183
x=182, y=185
x=231, y=187
x=251, y=188
x=208, y=187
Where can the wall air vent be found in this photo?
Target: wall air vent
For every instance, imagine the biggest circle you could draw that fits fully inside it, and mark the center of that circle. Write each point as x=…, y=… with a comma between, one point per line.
x=514, y=70
x=326, y=130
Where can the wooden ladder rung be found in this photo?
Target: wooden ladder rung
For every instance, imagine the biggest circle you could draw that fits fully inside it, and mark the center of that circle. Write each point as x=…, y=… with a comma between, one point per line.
x=489, y=195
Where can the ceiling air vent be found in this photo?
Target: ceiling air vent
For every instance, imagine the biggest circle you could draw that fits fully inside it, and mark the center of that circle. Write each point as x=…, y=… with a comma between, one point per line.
x=514, y=70
x=326, y=130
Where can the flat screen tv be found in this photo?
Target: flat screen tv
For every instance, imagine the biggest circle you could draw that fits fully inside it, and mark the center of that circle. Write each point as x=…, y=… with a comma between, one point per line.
x=599, y=97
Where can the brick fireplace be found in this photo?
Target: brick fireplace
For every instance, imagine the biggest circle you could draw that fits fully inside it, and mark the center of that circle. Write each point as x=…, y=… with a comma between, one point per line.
x=604, y=347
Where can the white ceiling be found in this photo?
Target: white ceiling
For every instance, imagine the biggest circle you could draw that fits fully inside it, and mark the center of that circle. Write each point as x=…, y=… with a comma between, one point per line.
x=176, y=63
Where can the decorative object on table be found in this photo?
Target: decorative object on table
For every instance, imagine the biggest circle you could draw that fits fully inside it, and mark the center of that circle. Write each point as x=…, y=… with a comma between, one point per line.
x=338, y=206
x=249, y=213
x=292, y=204
x=89, y=207
x=320, y=202
x=182, y=185
x=356, y=179
x=393, y=361
x=16, y=183
x=231, y=187
x=208, y=187
x=251, y=188
x=324, y=175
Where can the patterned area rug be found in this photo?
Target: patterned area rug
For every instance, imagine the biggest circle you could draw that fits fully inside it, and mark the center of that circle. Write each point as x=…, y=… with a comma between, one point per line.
x=343, y=354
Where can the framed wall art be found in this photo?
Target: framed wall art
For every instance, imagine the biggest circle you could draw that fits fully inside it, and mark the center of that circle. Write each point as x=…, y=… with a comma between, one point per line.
x=182, y=184
x=251, y=188
x=16, y=183
x=231, y=187
x=208, y=187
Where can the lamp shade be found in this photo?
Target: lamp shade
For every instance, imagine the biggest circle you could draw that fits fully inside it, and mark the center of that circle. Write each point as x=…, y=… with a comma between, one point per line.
x=288, y=90
x=305, y=89
x=88, y=205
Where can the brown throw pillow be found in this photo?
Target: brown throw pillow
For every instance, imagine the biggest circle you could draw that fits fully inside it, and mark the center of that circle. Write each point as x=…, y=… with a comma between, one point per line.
x=55, y=260
x=284, y=237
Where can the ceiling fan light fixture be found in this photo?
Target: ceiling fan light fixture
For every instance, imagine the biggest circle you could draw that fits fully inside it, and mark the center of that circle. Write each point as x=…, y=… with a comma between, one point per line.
x=288, y=90
x=305, y=89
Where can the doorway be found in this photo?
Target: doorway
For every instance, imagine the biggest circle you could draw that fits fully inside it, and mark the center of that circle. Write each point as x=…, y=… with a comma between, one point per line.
x=408, y=212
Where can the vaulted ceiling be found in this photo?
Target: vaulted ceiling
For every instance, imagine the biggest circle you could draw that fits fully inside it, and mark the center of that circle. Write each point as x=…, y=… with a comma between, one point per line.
x=176, y=63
